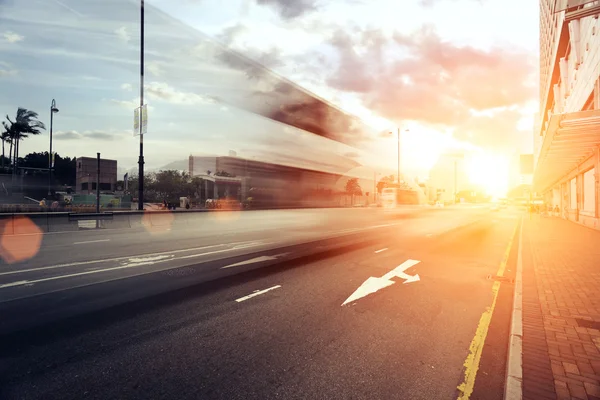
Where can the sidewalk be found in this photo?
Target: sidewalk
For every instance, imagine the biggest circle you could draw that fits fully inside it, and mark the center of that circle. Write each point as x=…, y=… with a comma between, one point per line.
x=561, y=310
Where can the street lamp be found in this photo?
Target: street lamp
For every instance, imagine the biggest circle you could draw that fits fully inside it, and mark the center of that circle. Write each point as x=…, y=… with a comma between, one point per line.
x=141, y=156
x=406, y=130
x=53, y=110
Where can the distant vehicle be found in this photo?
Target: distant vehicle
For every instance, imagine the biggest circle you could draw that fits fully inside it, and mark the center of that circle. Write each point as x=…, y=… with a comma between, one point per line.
x=394, y=197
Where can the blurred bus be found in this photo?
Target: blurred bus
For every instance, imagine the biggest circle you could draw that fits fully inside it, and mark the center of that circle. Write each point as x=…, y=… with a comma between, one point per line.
x=396, y=197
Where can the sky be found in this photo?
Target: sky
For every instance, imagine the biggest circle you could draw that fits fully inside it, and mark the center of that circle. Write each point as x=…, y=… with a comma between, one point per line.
x=451, y=74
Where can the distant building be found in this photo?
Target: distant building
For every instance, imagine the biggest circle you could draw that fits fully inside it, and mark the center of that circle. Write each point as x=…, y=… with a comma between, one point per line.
x=567, y=139
x=86, y=178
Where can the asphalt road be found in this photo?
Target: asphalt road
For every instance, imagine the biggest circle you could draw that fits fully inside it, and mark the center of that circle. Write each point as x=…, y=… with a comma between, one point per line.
x=281, y=331
x=73, y=259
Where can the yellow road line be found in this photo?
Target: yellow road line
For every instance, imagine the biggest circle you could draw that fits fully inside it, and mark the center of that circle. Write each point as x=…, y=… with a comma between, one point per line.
x=471, y=364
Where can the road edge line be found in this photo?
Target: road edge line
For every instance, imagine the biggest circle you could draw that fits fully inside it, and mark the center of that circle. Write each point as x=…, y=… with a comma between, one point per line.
x=471, y=364
x=513, y=387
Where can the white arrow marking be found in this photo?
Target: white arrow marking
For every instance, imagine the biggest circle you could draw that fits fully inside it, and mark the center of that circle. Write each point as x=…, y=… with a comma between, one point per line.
x=256, y=260
x=373, y=284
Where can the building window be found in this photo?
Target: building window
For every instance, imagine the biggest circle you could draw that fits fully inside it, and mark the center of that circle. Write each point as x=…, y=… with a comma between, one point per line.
x=84, y=186
x=589, y=191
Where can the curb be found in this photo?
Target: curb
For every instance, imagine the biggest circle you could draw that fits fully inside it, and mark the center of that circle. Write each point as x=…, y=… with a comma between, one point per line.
x=513, y=388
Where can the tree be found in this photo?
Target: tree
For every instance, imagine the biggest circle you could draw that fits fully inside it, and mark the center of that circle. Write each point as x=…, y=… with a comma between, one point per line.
x=353, y=188
x=64, y=168
x=5, y=137
x=384, y=182
x=26, y=123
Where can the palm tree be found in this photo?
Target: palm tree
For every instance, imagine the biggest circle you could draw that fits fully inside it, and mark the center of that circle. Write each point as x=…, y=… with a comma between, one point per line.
x=26, y=123
x=5, y=136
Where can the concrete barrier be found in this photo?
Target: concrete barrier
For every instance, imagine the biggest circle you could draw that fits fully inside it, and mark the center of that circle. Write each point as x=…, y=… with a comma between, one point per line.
x=21, y=227
x=60, y=222
x=135, y=219
x=163, y=219
x=6, y=224
x=118, y=221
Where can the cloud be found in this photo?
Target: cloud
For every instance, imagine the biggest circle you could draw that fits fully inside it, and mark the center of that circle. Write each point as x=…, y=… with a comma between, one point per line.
x=162, y=91
x=154, y=68
x=432, y=3
x=165, y=92
x=437, y=82
x=127, y=87
x=7, y=70
x=497, y=130
x=352, y=154
x=290, y=9
x=93, y=135
x=12, y=37
x=129, y=104
x=122, y=34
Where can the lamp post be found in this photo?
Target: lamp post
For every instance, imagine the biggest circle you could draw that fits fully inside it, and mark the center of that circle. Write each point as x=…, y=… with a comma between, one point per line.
x=53, y=110
x=141, y=157
x=406, y=130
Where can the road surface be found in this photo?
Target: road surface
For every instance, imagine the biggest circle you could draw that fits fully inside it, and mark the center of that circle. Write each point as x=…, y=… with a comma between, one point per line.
x=282, y=331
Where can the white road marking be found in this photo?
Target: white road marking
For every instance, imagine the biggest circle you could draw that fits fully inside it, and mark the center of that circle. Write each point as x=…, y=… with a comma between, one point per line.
x=239, y=245
x=384, y=225
x=93, y=241
x=373, y=284
x=18, y=283
x=140, y=262
x=255, y=260
x=257, y=293
x=382, y=250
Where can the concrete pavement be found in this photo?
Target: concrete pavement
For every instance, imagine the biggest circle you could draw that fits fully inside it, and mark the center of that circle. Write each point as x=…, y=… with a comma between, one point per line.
x=561, y=310
x=282, y=332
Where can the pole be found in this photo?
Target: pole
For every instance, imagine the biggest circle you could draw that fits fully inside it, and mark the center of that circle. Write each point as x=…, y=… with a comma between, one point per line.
x=141, y=158
x=374, y=187
x=398, y=157
x=455, y=181
x=50, y=154
x=98, y=183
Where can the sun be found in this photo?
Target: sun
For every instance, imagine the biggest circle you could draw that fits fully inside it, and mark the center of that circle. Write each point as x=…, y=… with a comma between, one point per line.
x=490, y=171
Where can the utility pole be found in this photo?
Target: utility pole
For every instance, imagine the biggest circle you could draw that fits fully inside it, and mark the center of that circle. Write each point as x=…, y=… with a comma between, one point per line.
x=374, y=187
x=141, y=158
x=398, y=156
x=98, y=183
x=53, y=110
x=455, y=180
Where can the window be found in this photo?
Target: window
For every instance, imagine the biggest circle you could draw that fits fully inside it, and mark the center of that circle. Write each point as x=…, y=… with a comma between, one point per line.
x=84, y=186
x=589, y=191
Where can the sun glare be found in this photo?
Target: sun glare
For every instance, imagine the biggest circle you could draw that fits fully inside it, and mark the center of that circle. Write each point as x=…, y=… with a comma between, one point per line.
x=489, y=171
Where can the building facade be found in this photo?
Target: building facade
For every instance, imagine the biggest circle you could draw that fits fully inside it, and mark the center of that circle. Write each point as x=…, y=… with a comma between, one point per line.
x=86, y=178
x=567, y=130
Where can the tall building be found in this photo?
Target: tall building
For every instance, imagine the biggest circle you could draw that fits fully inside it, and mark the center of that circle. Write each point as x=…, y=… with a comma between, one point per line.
x=567, y=137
